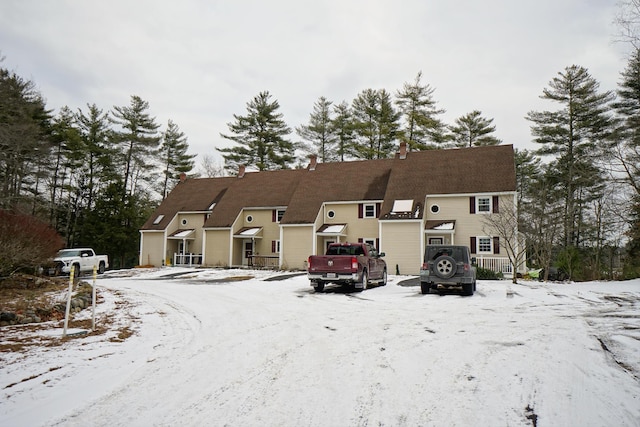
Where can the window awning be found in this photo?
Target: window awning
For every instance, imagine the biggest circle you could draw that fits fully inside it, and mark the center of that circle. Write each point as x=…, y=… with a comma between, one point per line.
x=440, y=226
x=332, y=230
x=182, y=235
x=249, y=233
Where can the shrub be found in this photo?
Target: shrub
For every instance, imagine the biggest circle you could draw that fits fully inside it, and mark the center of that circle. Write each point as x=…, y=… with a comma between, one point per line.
x=486, y=274
x=26, y=242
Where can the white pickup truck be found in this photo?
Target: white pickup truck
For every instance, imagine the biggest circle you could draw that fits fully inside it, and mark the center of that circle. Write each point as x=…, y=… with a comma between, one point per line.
x=83, y=259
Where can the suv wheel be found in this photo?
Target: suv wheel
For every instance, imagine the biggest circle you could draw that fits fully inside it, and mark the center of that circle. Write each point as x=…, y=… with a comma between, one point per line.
x=445, y=267
x=467, y=289
x=425, y=288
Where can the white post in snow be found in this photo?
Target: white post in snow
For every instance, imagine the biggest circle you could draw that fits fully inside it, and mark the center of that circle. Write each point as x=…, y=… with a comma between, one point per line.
x=93, y=300
x=68, y=309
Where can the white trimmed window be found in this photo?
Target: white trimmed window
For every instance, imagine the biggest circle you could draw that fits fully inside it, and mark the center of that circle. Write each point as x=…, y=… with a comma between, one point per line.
x=483, y=204
x=369, y=210
x=484, y=245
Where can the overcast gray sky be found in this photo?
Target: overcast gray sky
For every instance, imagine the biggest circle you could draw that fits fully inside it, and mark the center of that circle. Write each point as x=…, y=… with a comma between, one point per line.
x=199, y=62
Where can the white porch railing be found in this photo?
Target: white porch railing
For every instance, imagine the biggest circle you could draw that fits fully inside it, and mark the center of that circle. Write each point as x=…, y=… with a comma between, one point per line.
x=187, y=259
x=497, y=264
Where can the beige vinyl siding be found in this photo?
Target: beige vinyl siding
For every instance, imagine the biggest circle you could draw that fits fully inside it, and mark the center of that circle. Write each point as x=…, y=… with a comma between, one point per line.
x=151, y=248
x=270, y=229
x=194, y=221
x=347, y=213
x=457, y=208
x=402, y=245
x=217, y=248
x=296, y=247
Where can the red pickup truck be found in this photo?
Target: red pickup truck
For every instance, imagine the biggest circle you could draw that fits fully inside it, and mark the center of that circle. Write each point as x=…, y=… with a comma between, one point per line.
x=354, y=264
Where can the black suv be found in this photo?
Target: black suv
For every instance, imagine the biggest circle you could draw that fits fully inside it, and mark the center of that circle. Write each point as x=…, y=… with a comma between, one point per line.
x=448, y=267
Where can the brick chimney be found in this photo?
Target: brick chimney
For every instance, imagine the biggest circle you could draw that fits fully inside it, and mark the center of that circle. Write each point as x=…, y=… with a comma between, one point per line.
x=183, y=177
x=241, y=171
x=403, y=150
x=313, y=162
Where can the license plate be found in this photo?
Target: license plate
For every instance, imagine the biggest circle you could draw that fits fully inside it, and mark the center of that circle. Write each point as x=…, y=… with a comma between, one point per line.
x=331, y=275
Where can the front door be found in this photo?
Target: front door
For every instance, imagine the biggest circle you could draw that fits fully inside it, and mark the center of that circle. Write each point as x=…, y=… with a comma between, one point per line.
x=327, y=242
x=247, y=252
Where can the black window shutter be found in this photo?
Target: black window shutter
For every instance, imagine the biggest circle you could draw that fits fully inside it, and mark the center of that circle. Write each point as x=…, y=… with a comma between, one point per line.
x=377, y=243
x=496, y=245
x=360, y=210
x=273, y=246
x=378, y=206
x=472, y=205
x=274, y=215
x=472, y=245
x=495, y=205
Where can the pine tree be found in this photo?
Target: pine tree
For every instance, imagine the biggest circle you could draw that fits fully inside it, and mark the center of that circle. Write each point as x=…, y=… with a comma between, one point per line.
x=24, y=139
x=344, y=129
x=139, y=138
x=626, y=151
x=628, y=133
x=95, y=132
x=422, y=128
x=376, y=124
x=574, y=135
x=67, y=182
x=473, y=130
x=174, y=155
x=528, y=170
x=261, y=137
x=319, y=132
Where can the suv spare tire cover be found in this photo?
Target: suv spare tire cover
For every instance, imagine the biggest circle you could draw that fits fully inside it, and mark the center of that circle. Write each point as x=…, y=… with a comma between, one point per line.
x=445, y=267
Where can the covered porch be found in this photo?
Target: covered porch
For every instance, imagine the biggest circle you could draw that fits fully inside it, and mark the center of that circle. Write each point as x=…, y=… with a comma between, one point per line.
x=179, y=243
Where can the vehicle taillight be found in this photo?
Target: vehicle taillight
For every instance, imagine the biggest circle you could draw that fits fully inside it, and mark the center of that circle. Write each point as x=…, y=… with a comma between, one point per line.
x=425, y=266
x=467, y=267
x=309, y=264
x=354, y=263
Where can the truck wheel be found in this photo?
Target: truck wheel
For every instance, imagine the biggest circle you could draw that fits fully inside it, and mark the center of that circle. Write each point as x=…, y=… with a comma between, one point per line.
x=384, y=278
x=101, y=268
x=365, y=280
x=318, y=286
x=425, y=288
x=445, y=267
x=58, y=270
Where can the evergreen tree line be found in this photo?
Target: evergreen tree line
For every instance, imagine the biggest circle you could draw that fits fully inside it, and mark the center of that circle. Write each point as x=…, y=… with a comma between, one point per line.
x=94, y=174
x=370, y=127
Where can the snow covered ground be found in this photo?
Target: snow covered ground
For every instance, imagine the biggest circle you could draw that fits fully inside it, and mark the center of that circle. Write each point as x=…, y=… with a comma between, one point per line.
x=213, y=347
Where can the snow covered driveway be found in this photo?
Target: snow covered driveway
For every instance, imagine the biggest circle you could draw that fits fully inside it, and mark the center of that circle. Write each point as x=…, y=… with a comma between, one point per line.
x=208, y=350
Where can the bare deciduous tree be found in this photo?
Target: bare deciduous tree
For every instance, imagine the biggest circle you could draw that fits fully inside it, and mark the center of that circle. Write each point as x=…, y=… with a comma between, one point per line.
x=505, y=225
x=628, y=22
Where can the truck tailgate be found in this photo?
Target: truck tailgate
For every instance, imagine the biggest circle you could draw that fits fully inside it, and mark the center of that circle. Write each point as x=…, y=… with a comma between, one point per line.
x=337, y=264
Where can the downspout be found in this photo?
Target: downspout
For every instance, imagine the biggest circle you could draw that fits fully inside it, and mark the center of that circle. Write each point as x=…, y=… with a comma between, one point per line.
x=204, y=246
x=280, y=257
x=141, y=247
